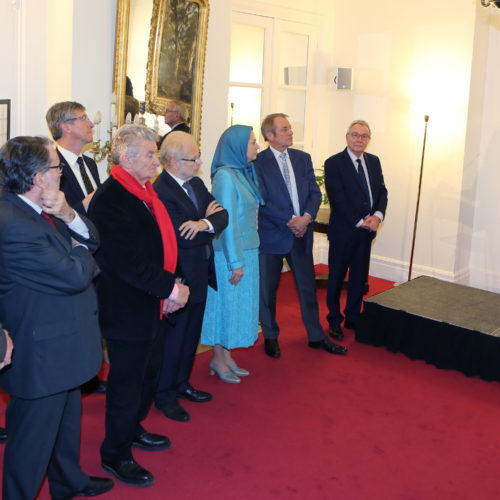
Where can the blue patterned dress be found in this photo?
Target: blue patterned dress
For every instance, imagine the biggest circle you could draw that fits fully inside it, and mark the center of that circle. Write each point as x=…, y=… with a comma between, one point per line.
x=232, y=312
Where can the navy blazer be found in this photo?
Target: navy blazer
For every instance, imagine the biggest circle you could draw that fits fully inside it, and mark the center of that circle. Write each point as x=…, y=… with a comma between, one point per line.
x=47, y=302
x=346, y=194
x=197, y=269
x=275, y=236
x=132, y=280
x=180, y=127
x=71, y=187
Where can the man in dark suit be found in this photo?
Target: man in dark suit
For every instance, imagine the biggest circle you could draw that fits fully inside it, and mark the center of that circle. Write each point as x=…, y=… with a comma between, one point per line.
x=137, y=287
x=292, y=198
x=175, y=118
x=197, y=218
x=358, y=199
x=71, y=128
x=48, y=304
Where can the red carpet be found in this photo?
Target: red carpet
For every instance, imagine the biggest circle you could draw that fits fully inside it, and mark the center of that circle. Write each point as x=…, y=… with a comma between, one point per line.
x=370, y=425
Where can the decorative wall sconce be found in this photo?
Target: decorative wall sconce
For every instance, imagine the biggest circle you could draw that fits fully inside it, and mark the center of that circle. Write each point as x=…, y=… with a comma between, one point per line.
x=487, y=3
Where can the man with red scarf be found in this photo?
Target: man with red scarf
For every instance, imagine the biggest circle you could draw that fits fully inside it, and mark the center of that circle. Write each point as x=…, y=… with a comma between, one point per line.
x=137, y=289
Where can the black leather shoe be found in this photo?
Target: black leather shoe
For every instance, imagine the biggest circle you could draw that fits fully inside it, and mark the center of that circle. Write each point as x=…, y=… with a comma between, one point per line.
x=350, y=324
x=335, y=331
x=328, y=346
x=195, y=395
x=95, y=384
x=101, y=387
x=96, y=486
x=151, y=442
x=3, y=434
x=175, y=411
x=272, y=348
x=129, y=472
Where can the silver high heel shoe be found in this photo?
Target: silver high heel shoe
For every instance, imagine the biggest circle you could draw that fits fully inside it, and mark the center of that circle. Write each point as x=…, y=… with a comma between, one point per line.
x=241, y=372
x=227, y=376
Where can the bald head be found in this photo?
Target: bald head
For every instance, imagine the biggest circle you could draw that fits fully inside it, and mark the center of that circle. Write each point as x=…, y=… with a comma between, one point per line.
x=179, y=155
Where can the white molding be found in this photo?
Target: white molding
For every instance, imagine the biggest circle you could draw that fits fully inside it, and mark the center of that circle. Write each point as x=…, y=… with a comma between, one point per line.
x=397, y=270
x=276, y=11
x=20, y=102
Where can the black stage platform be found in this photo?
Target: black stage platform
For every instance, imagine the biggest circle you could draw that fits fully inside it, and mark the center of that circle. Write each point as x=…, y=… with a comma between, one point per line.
x=448, y=325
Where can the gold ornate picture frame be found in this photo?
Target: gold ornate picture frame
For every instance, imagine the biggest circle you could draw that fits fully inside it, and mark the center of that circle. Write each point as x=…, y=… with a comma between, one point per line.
x=176, y=57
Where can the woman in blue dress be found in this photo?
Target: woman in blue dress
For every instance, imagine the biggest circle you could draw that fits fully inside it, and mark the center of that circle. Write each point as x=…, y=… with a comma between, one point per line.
x=232, y=312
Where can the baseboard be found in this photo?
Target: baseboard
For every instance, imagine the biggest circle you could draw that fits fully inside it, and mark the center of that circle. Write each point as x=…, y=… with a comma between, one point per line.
x=397, y=270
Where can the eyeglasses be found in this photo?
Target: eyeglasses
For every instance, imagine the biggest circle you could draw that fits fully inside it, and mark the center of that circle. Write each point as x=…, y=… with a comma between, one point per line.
x=365, y=137
x=195, y=159
x=79, y=118
x=59, y=168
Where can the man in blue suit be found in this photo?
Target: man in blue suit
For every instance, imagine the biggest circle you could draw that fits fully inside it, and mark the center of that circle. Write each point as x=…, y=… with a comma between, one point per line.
x=358, y=199
x=49, y=307
x=197, y=218
x=292, y=198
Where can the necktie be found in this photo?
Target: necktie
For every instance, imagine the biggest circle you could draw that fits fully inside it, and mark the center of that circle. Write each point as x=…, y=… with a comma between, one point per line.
x=361, y=173
x=85, y=177
x=286, y=173
x=49, y=219
x=191, y=194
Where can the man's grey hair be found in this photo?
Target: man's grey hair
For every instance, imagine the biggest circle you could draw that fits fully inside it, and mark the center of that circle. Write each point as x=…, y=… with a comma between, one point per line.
x=21, y=158
x=268, y=123
x=128, y=138
x=181, y=109
x=59, y=113
x=359, y=122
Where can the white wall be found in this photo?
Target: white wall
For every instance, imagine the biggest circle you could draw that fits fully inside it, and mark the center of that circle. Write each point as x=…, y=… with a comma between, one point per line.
x=407, y=63
x=484, y=261
x=428, y=57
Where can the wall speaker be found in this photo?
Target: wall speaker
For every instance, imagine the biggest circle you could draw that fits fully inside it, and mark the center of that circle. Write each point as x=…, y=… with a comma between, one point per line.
x=343, y=79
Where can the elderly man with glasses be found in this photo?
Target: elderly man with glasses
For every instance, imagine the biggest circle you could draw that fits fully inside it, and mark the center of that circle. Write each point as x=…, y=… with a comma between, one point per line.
x=49, y=307
x=197, y=218
x=358, y=199
x=175, y=117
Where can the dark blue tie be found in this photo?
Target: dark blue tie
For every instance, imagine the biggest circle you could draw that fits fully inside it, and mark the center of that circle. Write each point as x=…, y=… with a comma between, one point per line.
x=191, y=194
x=361, y=173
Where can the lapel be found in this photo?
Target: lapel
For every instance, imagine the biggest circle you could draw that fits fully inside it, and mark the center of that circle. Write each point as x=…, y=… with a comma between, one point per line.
x=68, y=177
x=371, y=174
x=38, y=219
x=94, y=172
x=180, y=195
x=295, y=160
x=351, y=172
x=274, y=173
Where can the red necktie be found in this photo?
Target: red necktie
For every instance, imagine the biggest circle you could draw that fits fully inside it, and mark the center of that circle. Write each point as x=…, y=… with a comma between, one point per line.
x=49, y=219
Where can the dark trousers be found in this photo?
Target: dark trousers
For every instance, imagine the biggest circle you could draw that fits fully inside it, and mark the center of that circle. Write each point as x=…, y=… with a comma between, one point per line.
x=181, y=341
x=302, y=266
x=347, y=251
x=44, y=436
x=132, y=383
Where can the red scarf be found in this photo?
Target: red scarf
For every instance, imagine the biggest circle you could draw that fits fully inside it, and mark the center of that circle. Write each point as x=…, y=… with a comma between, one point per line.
x=157, y=208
